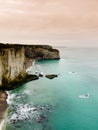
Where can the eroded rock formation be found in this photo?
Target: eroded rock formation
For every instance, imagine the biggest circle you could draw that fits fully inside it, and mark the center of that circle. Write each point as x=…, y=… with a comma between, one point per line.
x=12, y=63
x=16, y=58
x=41, y=52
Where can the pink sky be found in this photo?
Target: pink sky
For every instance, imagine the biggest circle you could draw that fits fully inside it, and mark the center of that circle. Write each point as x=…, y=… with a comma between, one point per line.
x=48, y=21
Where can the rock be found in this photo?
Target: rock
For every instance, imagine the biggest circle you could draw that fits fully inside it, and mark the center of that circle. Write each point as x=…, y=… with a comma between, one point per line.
x=20, y=80
x=41, y=52
x=41, y=75
x=16, y=58
x=12, y=60
x=3, y=96
x=51, y=76
x=3, y=104
x=42, y=118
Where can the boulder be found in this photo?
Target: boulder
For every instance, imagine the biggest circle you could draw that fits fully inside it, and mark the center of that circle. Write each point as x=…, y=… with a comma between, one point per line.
x=51, y=76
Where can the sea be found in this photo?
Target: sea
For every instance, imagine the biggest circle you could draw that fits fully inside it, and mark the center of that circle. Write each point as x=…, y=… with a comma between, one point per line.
x=67, y=102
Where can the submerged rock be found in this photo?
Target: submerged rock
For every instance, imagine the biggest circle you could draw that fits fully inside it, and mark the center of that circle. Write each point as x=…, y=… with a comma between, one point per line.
x=42, y=118
x=51, y=76
x=27, y=112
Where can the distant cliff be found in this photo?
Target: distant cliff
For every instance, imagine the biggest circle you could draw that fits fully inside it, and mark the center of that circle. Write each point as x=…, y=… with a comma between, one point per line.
x=41, y=52
x=15, y=59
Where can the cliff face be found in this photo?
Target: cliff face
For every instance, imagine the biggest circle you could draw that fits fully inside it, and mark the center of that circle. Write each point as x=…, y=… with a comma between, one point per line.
x=12, y=62
x=41, y=52
x=15, y=59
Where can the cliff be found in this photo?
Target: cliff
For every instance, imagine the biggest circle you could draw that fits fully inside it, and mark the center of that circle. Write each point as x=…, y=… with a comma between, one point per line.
x=12, y=63
x=41, y=52
x=15, y=59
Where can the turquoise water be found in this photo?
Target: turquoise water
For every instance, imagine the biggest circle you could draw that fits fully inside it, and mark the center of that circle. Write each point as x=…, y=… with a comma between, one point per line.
x=54, y=104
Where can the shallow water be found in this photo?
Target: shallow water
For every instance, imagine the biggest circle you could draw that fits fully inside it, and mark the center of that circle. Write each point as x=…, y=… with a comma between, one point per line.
x=54, y=104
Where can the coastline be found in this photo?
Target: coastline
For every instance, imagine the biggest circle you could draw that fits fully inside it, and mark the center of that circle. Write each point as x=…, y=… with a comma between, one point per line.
x=4, y=97
x=31, y=53
x=16, y=58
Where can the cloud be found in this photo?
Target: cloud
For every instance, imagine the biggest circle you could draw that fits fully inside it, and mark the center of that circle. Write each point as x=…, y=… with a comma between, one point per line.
x=32, y=18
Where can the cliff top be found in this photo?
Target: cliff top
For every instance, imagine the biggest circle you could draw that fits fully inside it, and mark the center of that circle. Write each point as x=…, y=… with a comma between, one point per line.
x=17, y=46
x=8, y=45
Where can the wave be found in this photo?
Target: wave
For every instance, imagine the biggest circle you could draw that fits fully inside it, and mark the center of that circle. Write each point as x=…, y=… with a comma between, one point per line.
x=1, y=124
x=20, y=112
x=10, y=97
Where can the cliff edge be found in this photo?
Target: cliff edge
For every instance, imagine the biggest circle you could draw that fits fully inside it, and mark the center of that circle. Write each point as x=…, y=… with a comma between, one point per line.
x=41, y=52
x=15, y=59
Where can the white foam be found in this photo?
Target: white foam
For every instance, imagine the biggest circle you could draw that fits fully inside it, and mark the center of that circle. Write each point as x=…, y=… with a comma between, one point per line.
x=33, y=63
x=84, y=96
x=72, y=72
x=30, y=68
x=25, y=108
x=24, y=112
x=14, y=116
x=1, y=124
x=10, y=97
x=27, y=91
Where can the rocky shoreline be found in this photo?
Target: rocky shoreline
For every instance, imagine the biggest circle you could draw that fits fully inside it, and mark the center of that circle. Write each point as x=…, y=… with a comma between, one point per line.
x=14, y=60
x=19, y=81
x=3, y=104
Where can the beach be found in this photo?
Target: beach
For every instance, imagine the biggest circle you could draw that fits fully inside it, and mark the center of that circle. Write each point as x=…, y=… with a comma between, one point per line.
x=3, y=105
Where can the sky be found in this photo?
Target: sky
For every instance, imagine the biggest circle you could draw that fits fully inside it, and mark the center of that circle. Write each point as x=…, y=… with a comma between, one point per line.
x=71, y=22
